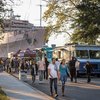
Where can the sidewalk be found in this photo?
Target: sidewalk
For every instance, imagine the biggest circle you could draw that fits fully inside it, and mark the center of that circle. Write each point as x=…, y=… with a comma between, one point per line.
x=17, y=90
x=81, y=81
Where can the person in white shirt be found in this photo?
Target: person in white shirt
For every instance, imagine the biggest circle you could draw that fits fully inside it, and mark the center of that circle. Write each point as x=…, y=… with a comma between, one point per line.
x=53, y=73
x=41, y=68
x=57, y=63
x=77, y=65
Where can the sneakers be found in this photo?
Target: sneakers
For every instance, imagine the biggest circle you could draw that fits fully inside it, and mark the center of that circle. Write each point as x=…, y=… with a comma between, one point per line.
x=56, y=95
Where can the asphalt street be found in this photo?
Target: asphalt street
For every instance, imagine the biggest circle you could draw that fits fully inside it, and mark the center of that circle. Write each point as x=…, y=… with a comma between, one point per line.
x=73, y=91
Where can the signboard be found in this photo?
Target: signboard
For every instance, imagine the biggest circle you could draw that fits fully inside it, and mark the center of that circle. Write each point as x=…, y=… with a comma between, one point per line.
x=49, y=55
x=48, y=51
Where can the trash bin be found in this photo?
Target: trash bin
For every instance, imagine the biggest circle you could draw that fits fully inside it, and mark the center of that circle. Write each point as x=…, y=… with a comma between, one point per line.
x=23, y=75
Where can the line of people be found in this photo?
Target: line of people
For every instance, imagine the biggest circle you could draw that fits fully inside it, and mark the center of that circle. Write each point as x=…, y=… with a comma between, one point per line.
x=15, y=64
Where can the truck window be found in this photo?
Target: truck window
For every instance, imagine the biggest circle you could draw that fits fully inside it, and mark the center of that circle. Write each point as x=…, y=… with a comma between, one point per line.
x=94, y=54
x=82, y=54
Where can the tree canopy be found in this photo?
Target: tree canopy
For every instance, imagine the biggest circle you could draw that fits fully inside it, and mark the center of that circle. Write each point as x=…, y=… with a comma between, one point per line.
x=1, y=14
x=5, y=10
x=81, y=16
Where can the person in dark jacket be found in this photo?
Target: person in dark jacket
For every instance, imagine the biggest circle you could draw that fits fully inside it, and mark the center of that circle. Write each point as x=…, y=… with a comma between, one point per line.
x=88, y=67
x=1, y=65
x=73, y=69
x=12, y=63
x=46, y=68
x=34, y=71
x=16, y=64
x=22, y=65
x=36, y=66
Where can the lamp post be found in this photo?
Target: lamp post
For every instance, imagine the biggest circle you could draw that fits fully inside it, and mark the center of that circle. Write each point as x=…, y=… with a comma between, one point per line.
x=10, y=23
x=7, y=43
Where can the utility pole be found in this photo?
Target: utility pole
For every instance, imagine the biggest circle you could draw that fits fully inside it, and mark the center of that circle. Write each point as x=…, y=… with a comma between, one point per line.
x=10, y=23
x=41, y=6
x=41, y=11
x=41, y=14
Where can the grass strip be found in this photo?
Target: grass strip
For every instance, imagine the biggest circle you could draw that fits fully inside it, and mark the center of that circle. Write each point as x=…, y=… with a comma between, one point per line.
x=3, y=96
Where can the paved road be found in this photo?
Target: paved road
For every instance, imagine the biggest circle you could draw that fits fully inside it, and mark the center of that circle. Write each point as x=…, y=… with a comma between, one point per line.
x=73, y=91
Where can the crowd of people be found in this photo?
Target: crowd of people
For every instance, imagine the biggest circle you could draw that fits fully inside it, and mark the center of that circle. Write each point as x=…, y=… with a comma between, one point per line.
x=54, y=70
x=15, y=64
x=61, y=71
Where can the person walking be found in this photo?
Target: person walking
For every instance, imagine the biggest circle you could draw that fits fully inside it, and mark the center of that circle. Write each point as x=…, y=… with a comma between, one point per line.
x=77, y=67
x=41, y=68
x=33, y=71
x=1, y=65
x=36, y=67
x=53, y=73
x=16, y=64
x=22, y=70
x=72, y=69
x=88, y=68
x=22, y=65
x=7, y=64
x=46, y=69
x=57, y=63
x=64, y=72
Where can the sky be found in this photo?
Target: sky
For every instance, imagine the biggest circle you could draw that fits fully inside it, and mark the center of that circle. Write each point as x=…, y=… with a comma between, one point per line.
x=30, y=10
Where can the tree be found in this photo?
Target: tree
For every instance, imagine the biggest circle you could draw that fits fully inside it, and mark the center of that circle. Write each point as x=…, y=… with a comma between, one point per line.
x=5, y=9
x=59, y=15
x=87, y=22
x=1, y=13
x=65, y=15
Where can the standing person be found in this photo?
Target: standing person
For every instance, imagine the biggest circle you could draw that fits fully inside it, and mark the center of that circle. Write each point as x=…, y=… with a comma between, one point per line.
x=77, y=66
x=16, y=64
x=36, y=68
x=57, y=63
x=41, y=68
x=22, y=65
x=63, y=69
x=22, y=71
x=31, y=63
x=46, y=68
x=88, y=67
x=53, y=73
x=4, y=64
x=27, y=64
x=33, y=71
x=12, y=64
x=7, y=64
x=72, y=69
x=1, y=65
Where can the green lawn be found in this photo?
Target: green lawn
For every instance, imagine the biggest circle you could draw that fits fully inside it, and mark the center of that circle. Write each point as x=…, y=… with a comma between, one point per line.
x=3, y=95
